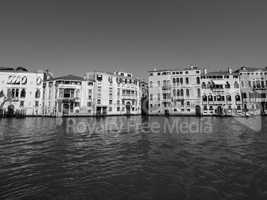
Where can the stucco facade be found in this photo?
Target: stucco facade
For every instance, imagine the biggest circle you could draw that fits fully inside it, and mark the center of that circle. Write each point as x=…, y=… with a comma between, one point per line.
x=175, y=92
x=21, y=91
x=116, y=93
x=68, y=96
x=221, y=93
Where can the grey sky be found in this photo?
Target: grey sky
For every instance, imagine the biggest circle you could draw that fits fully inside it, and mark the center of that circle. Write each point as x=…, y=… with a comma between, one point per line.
x=72, y=37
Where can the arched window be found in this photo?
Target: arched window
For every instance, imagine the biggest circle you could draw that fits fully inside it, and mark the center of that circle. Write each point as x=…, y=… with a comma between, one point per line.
x=227, y=85
x=204, y=98
x=23, y=93
x=228, y=98
x=210, y=98
x=237, y=98
x=242, y=84
x=37, y=94
x=198, y=92
x=244, y=95
x=198, y=80
x=17, y=92
x=178, y=92
x=181, y=80
x=203, y=85
x=182, y=92
x=236, y=85
x=187, y=93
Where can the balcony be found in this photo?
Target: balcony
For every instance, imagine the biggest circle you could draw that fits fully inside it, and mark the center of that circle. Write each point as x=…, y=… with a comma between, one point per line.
x=179, y=97
x=219, y=90
x=166, y=87
x=69, y=99
x=129, y=96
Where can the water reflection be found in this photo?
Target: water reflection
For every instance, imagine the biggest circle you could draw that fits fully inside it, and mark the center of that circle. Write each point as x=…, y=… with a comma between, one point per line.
x=132, y=158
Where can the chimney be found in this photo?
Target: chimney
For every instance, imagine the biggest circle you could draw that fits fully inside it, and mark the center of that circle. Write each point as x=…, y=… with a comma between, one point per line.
x=205, y=71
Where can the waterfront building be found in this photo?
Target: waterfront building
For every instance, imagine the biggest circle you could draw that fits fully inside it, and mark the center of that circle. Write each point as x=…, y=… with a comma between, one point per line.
x=144, y=97
x=116, y=93
x=68, y=96
x=21, y=91
x=175, y=92
x=254, y=89
x=221, y=93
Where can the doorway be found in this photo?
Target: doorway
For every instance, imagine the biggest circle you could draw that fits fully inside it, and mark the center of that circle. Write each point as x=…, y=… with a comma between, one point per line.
x=198, y=110
x=128, y=108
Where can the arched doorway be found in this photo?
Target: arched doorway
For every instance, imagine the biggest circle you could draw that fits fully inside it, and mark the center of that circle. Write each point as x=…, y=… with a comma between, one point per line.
x=128, y=108
x=219, y=110
x=66, y=108
x=198, y=110
x=166, y=112
x=10, y=110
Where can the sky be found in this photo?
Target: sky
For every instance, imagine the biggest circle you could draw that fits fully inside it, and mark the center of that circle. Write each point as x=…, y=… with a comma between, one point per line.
x=73, y=37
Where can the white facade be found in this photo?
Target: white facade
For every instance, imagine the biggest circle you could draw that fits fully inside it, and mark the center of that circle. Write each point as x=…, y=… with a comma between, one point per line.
x=21, y=91
x=221, y=93
x=68, y=96
x=116, y=94
x=175, y=92
x=254, y=89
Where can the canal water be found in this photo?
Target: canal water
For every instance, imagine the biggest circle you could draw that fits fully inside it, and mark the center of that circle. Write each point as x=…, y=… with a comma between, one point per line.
x=133, y=158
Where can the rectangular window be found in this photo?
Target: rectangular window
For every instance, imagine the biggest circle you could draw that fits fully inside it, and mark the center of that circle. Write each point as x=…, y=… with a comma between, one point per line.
x=187, y=80
x=187, y=93
x=198, y=80
x=36, y=103
x=68, y=93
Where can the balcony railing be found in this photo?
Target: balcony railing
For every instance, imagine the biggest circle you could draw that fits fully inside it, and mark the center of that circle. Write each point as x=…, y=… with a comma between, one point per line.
x=69, y=98
x=166, y=87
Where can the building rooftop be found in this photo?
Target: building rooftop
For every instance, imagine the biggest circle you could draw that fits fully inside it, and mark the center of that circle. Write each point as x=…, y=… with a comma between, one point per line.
x=250, y=69
x=18, y=69
x=116, y=75
x=175, y=69
x=14, y=69
x=218, y=73
x=69, y=77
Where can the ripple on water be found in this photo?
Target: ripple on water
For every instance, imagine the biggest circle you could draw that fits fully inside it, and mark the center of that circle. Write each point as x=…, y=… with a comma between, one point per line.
x=40, y=160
